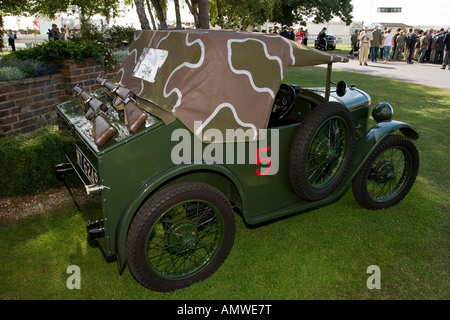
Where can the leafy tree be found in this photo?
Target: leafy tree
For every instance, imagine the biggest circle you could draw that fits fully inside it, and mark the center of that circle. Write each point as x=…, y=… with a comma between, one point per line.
x=14, y=7
x=85, y=8
x=236, y=13
x=297, y=11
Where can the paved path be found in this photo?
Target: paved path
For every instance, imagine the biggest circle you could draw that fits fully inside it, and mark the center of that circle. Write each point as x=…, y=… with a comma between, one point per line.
x=421, y=73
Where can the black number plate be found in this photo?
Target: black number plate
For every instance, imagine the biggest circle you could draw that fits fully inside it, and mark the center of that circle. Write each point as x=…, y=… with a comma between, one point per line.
x=87, y=167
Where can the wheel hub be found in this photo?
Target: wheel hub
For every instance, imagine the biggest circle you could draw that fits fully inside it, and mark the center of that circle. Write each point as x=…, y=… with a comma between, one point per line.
x=384, y=172
x=325, y=151
x=182, y=237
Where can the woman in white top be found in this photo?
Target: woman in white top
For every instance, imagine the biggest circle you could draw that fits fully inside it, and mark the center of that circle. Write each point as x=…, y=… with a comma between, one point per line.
x=387, y=45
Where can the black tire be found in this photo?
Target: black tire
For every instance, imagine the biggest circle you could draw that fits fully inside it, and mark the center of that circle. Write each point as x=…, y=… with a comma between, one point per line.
x=321, y=151
x=180, y=235
x=388, y=174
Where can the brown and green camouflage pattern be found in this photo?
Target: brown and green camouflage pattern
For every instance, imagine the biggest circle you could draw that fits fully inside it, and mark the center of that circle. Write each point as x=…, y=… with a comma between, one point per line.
x=220, y=78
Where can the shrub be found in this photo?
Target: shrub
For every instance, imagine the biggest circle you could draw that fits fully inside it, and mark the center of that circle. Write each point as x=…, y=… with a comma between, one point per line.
x=90, y=42
x=54, y=50
x=114, y=37
x=30, y=68
x=119, y=55
x=11, y=73
x=28, y=161
x=34, y=68
x=60, y=50
x=119, y=36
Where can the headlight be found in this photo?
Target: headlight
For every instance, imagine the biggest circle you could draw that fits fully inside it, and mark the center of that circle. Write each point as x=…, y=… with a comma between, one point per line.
x=382, y=112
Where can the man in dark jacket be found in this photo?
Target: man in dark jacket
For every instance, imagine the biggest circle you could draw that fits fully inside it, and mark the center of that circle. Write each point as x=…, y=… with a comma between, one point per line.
x=54, y=32
x=400, y=48
x=285, y=32
x=322, y=40
x=411, y=42
x=447, y=51
x=375, y=44
x=440, y=45
x=12, y=40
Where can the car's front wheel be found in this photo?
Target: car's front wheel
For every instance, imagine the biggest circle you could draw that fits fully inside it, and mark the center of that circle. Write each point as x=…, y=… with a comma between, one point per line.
x=388, y=175
x=180, y=235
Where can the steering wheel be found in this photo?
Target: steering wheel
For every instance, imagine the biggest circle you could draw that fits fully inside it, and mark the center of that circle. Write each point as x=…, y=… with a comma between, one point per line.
x=282, y=105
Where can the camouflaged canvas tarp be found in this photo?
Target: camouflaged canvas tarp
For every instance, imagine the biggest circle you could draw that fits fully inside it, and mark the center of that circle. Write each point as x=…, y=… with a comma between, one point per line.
x=212, y=78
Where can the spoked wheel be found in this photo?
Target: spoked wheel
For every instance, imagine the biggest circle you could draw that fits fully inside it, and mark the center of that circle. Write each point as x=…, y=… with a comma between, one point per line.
x=321, y=151
x=180, y=236
x=388, y=175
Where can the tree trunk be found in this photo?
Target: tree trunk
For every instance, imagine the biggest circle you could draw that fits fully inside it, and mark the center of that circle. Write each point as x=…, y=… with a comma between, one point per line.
x=2, y=33
x=141, y=14
x=203, y=14
x=149, y=7
x=193, y=8
x=177, y=13
x=220, y=14
x=160, y=14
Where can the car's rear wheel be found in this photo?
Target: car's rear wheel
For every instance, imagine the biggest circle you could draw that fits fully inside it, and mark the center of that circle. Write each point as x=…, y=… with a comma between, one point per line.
x=321, y=151
x=181, y=235
x=388, y=175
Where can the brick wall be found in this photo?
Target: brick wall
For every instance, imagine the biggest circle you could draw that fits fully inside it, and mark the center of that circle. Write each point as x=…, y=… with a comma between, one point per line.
x=83, y=73
x=28, y=104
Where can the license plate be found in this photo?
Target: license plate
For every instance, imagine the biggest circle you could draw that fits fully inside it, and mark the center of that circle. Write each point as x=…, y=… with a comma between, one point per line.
x=87, y=167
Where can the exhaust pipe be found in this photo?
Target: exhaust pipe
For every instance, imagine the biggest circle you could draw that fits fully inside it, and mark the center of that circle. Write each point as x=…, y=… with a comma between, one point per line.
x=63, y=169
x=95, y=230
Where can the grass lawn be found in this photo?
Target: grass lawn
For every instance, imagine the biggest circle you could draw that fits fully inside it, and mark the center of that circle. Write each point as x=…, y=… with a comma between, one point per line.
x=321, y=254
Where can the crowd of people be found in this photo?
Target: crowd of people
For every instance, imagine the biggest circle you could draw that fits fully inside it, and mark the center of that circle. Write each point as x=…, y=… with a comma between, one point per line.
x=301, y=36
x=56, y=33
x=432, y=46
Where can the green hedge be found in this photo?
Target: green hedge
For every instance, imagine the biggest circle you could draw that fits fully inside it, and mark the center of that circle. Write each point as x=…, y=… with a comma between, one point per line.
x=91, y=42
x=27, y=161
x=70, y=49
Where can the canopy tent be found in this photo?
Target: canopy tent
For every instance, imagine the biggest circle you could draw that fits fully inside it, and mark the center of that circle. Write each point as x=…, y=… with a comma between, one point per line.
x=212, y=78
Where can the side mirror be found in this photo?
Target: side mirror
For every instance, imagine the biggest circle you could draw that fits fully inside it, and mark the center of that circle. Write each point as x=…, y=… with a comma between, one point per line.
x=341, y=88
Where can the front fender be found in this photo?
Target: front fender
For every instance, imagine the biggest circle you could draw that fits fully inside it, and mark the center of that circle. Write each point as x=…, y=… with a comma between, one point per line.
x=368, y=143
x=382, y=129
x=153, y=184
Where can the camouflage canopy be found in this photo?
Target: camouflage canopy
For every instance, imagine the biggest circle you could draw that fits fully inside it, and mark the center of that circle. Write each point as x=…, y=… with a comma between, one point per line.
x=212, y=78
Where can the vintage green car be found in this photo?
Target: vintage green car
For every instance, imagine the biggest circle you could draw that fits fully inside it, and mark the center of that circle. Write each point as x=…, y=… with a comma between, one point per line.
x=197, y=126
